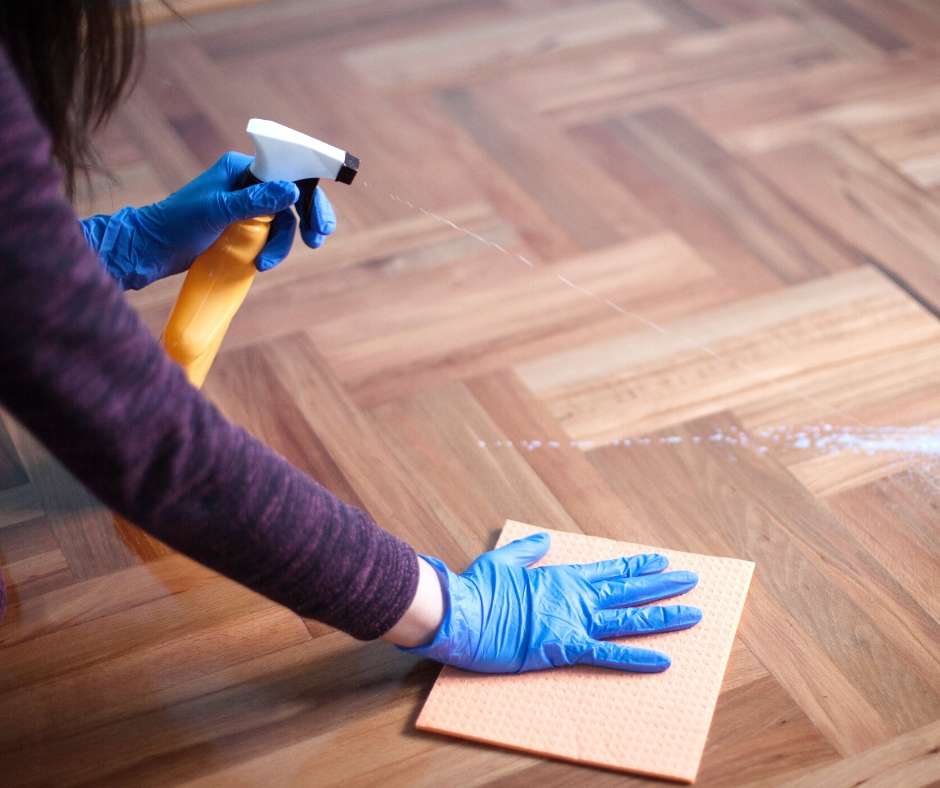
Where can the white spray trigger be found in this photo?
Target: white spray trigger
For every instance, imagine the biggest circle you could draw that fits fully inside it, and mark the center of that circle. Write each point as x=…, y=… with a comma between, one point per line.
x=283, y=154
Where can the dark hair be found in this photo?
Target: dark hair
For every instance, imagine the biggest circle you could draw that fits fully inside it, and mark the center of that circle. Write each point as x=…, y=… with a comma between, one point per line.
x=76, y=58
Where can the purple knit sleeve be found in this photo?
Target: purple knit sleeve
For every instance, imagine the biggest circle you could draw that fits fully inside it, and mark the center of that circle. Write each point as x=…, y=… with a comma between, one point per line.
x=81, y=372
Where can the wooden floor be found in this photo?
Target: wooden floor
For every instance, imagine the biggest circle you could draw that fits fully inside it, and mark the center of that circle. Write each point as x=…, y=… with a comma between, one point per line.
x=709, y=289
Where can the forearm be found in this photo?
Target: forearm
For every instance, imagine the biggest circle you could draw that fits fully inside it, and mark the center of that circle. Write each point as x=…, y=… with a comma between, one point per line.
x=121, y=417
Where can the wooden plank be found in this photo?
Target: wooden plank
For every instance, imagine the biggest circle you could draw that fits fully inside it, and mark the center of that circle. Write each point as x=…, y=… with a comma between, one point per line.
x=907, y=20
x=786, y=239
x=649, y=379
x=892, y=96
x=590, y=206
x=85, y=530
x=910, y=146
x=357, y=447
x=862, y=201
x=413, y=760
x=155, y=11
x=653, y=181
x=911, y=760
x=85, y=616
x=618, y=79
x=855, y=18
x=562, y=468
x=249, y=393
x=460, y=53
x=436, y=437
x=36, y=574
x=287, y=29
x=755, y=113
x=896, y=521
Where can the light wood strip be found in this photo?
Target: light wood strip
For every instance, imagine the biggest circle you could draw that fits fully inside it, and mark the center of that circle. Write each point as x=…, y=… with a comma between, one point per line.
x=460, y=52
x=649, y=379
x=911, y=760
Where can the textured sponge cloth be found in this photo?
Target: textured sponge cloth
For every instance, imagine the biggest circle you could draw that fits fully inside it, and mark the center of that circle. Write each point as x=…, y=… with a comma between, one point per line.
x=654, y=724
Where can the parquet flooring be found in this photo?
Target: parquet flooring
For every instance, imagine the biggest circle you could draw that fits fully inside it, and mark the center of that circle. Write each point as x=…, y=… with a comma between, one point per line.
x=705, y=302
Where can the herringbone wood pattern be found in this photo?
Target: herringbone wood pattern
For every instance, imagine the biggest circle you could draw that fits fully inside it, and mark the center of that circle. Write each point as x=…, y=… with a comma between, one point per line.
x=758, y=177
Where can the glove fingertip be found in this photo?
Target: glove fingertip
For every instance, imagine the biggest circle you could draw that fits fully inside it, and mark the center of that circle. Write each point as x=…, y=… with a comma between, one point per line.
x=273, y=196
x=541, y=541
x=266, y=262
x=651, y=662
x=312, y=238
x=287, y=193
x=323, y=212
x=651, y=563
x=664, y=663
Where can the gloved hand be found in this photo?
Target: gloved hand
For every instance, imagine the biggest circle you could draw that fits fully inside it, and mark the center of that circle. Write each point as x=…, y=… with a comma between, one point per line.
x=140, y=245
x=501, y=617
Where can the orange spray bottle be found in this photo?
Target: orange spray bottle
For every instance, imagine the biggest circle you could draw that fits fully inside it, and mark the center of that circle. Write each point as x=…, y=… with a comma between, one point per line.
x=218, y=281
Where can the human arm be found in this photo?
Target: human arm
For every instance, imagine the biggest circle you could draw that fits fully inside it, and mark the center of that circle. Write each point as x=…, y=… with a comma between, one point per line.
x=81, y=372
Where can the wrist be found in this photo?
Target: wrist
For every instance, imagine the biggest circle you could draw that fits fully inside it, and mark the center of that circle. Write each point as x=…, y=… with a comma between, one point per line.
x=424, y=616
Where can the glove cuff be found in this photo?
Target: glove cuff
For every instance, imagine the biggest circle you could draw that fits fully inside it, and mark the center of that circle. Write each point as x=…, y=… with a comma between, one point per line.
x=113, y=240
x=93, y=228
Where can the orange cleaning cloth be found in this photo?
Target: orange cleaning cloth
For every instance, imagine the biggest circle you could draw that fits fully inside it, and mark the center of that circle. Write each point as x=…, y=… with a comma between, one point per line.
x=654, y=723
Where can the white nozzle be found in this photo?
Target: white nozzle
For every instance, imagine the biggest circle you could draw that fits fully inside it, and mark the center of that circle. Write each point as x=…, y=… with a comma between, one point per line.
x=282, y=154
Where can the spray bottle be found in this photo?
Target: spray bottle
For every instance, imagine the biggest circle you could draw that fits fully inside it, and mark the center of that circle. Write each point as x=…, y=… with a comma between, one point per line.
x=219, y=280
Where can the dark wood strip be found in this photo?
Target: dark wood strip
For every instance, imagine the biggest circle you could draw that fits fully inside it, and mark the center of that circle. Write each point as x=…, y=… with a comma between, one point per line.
x=625, y=156
x=575, y=195
x=856, y=20
x=859, y=199
x=780, y=236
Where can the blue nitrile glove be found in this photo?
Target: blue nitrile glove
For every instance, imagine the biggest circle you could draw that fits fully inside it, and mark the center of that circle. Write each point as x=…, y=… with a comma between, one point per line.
x=140, y=245
x=501, y=617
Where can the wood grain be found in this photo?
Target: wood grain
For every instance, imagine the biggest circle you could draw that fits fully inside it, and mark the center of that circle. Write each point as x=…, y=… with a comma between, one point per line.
x=911, y=760
x=599, y=254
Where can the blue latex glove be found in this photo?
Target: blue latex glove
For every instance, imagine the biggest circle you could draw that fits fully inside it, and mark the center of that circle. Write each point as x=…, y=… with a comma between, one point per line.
x=501, y=617
x=140, y=245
